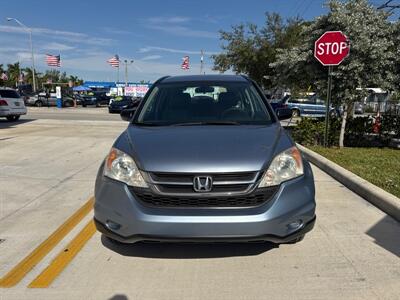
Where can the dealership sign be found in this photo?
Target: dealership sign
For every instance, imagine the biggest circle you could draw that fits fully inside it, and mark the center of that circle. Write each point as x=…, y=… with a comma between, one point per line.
x=331, y=48
x=138, y=90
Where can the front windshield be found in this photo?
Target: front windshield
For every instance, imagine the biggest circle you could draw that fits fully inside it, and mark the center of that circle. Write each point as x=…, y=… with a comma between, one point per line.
x=222, y=103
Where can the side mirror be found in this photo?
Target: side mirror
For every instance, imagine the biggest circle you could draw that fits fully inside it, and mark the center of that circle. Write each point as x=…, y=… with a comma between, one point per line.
x=283, y=113
x=127, y=114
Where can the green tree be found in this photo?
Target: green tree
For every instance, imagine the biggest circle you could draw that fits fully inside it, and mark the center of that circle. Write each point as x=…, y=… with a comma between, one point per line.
x=2, y=83
x=250, y=50
x=28, y=75
x=371, y=59
x=13, y=71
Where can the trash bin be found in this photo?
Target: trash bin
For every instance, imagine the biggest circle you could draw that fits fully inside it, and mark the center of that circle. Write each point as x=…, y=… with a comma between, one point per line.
x=59, y=103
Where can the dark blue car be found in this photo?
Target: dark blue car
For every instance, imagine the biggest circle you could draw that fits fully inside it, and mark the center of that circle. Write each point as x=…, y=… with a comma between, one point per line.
x=280, y=105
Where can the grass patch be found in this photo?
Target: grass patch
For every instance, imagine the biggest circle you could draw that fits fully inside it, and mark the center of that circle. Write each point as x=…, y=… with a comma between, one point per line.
x=379, y=166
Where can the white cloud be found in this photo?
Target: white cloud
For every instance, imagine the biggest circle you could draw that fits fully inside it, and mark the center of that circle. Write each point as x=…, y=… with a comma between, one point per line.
x=12, y=49
x=174, y=25
x=183, y=31
x=58, y=34
x=115, y=31
x=57, y=47
x=151, y=57
x=174, y=20
x=171, y=50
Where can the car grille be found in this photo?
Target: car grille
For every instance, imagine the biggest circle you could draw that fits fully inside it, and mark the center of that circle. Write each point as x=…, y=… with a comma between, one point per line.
x=182, y=183
x=188, y=177
x=256, y=198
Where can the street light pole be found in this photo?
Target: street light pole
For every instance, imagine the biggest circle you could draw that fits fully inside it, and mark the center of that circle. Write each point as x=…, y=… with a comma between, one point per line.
x=126, y=70
x=31, y=45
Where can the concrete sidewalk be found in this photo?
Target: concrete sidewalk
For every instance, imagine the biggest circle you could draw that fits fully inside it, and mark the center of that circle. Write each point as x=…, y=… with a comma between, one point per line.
x=47, y=171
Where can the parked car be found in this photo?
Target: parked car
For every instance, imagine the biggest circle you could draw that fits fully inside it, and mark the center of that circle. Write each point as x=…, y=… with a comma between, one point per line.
x=93, y=100
x=204, y=159
x=358, y=108
x=43, y=99
x=119, y=103
x=311, y=106
x=102, y=98
x=12, y=106
x=280, y=105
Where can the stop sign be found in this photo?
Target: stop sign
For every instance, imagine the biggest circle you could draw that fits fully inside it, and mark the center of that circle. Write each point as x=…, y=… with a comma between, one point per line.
x=331, y=48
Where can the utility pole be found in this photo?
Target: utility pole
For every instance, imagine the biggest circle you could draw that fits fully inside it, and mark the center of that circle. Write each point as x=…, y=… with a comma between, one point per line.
x=201, y=61
x=126, y=62
x=29, y=30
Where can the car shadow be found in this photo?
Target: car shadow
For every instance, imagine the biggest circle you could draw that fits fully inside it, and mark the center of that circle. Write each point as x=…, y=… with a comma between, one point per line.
x=4, y=123
x=386, y=234
x=187, y=250
x=118, y=297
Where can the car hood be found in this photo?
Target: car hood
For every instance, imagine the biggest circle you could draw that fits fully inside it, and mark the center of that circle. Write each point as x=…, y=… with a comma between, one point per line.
x=119, y=103
x=202, y=148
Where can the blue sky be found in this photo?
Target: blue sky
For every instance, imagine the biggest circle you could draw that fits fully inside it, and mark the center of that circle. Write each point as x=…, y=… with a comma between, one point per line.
x=156, y=34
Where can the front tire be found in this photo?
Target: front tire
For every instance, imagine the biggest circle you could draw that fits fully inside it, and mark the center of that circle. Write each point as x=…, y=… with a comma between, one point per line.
x=295, y=113
x=39, y=103
x=68, y=104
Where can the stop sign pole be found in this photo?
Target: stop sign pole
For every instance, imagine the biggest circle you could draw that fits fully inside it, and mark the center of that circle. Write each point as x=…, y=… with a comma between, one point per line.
x=330, y=50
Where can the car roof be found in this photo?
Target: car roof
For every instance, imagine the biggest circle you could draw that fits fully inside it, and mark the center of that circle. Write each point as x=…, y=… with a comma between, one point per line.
x=192, y=78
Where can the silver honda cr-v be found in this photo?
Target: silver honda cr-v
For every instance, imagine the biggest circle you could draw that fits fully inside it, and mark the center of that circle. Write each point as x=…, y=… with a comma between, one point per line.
x=204, y=158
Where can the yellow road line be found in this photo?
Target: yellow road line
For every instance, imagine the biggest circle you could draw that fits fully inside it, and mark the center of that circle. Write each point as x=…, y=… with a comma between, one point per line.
x=62, y=260
x=19, y=271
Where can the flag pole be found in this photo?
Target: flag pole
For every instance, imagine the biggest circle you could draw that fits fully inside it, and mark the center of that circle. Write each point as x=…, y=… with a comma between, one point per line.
x=201, y=61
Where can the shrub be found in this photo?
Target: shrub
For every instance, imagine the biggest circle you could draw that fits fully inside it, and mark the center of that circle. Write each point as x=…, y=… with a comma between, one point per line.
x=359, y=131
x=311, y=132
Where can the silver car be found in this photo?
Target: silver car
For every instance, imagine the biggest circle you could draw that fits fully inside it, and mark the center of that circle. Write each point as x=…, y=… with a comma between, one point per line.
x=204, y=158
x=12, y=106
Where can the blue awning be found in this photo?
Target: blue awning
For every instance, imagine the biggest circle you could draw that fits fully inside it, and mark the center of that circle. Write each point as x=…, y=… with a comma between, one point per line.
x=81, y=88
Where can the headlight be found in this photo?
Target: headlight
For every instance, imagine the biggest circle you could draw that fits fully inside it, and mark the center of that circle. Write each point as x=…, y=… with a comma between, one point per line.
x=120, y=166
x=285, y=166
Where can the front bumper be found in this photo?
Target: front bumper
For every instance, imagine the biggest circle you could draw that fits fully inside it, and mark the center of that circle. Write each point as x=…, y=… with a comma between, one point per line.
x=114, y=110
x=4, y=112
x=272, y=221
x=154, y=238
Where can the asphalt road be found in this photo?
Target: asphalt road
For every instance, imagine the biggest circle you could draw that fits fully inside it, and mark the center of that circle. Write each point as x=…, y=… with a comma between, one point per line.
x=79, y=113
x=47, y=172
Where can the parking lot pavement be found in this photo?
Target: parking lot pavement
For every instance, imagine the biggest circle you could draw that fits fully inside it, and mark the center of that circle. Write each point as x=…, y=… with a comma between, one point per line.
x=47, y=172
x=71, y=113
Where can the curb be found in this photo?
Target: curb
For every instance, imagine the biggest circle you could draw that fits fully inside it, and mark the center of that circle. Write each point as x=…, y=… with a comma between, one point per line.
x=385, y=201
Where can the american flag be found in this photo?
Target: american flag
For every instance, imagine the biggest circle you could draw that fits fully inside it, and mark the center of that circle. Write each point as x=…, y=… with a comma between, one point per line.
x=114, y=61
x=53, y=60
x=4, y=76
x=185, y=63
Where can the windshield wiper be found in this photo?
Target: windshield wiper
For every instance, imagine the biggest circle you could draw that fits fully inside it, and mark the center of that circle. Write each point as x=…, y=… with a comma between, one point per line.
x=206, y=123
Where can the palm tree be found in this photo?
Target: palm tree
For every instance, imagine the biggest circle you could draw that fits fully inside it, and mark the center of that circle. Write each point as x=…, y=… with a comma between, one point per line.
x=28, y=75
x=13, y=71
x=1, y=72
